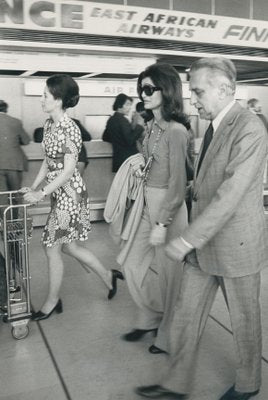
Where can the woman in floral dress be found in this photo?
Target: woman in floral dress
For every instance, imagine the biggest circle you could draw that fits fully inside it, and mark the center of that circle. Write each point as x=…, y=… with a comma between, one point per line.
x=68, y=221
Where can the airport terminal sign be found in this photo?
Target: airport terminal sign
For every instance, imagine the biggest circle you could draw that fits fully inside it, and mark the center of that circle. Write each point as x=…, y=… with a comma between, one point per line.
x=88, y=88
x=100, y=88
x=126, y=21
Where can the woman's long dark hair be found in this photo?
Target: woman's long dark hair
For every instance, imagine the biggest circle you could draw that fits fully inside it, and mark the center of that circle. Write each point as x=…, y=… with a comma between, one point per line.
x=167, y=78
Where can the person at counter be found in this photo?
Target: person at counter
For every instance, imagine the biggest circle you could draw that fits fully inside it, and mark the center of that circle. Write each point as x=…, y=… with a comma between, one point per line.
x=12, y=158
x=122, y=133
x=146, y=115
x=69, y=219
x=255, y=107
x=86, y=137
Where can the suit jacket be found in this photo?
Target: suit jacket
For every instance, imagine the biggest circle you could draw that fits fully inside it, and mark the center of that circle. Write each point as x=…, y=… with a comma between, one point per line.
x=12, y=136
x=228, y=227
x=123, y=137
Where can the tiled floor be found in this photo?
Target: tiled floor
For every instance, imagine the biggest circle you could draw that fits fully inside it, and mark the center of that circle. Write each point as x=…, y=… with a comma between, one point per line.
x=78, y=355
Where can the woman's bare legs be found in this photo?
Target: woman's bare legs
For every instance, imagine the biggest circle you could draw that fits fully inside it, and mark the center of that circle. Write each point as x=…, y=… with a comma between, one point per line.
x=85, y=256
x=55, y=275
x=56, y=270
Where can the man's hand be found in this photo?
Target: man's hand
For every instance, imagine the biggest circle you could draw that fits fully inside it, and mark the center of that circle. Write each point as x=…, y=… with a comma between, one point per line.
x=158, y=235
x=177, y=250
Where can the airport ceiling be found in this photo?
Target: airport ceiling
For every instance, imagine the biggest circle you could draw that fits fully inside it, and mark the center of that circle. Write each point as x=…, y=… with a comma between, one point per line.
x=248, y=72
x=251, y=63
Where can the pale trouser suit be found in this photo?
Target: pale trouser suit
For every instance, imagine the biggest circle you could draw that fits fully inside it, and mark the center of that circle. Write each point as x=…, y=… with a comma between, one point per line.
x=229, y=233
x=153, y=279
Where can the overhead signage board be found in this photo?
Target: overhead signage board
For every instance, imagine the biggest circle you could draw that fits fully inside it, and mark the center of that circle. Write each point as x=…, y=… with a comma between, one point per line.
x=22, y=60
x=90, y=88
x=126, y=21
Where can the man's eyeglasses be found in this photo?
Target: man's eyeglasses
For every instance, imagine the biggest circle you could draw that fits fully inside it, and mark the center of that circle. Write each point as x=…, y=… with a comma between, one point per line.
x=149, y=90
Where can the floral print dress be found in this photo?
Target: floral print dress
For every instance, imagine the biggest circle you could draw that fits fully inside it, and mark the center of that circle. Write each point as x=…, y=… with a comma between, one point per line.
x=69, y=217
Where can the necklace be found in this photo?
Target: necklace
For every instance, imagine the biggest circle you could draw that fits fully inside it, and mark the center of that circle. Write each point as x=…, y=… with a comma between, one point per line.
x=148, y=134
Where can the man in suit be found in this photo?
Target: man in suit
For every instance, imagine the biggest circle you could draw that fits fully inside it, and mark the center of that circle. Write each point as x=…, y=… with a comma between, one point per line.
x=226, y=242
x=12, y=159
x=255, y=107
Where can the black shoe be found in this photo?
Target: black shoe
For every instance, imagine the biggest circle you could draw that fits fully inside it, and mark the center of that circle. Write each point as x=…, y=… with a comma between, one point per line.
x=39, y=315
x=115, y=275
x=137, y=334
x=232, y=394
x=158, y=392
x=156, y=350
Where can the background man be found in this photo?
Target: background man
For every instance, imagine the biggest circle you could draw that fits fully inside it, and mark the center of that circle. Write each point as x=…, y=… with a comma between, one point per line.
x=254, y=106
x=12, y=159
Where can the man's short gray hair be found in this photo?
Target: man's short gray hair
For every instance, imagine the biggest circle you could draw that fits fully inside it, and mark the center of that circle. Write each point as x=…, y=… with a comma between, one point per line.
x=217, y=65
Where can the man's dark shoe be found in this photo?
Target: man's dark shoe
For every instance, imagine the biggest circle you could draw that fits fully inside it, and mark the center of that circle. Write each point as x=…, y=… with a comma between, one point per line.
x=232, y=394
x=137, y=334
x=158, y=392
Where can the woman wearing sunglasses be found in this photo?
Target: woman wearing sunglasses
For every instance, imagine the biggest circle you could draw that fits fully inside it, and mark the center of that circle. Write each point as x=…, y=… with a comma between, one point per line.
x=153, y=279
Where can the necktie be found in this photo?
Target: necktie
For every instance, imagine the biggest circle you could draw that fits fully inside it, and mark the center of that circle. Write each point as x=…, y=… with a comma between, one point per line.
x=207, y=139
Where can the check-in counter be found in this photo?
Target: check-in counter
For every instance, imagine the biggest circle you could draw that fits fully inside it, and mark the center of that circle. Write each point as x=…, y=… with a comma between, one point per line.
x=98, y=177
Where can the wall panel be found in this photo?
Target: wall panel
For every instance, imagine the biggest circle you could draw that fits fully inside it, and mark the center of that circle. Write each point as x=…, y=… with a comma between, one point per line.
x=260, y=9
x=149, y=3
x=199, y=6
x=233, y=8
x=110, y=1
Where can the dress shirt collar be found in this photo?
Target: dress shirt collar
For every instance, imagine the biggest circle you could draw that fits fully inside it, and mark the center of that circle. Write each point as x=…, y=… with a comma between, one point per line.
x=216, y=121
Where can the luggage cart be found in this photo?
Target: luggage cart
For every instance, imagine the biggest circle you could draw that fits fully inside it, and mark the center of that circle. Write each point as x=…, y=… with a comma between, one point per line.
x=16, y=230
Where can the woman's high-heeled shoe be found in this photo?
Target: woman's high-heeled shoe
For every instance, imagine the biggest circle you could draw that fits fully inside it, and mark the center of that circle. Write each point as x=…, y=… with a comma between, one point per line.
x=39, y=315
x=115, y=275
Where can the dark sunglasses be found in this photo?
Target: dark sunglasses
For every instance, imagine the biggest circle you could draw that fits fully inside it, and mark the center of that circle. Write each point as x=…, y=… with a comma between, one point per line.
x=149, y=90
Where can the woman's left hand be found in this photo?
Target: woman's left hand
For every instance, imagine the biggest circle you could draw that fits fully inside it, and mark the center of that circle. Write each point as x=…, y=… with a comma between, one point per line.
x=33, y=196
x=25, y=189
x=158, y=235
